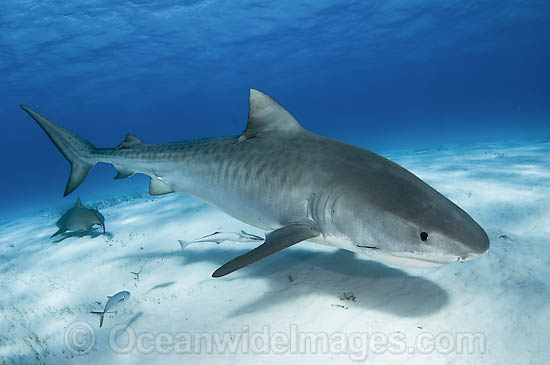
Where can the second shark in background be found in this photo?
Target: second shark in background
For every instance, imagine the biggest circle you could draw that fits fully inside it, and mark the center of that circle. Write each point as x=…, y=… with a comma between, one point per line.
x=79, y=219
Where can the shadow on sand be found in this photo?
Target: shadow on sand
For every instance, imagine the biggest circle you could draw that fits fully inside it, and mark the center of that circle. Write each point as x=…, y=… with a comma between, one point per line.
x=91, y=234
x=134, y=319
x=160, y=286
x=376, y=286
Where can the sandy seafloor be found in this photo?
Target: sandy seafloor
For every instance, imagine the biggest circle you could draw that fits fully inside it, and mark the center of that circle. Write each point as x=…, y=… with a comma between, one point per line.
x=48, y=285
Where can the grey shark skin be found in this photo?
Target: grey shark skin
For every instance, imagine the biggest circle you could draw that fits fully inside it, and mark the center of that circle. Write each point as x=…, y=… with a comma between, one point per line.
x=220, y=237
x=111, y=304
x=279, y=177
x=79, y=219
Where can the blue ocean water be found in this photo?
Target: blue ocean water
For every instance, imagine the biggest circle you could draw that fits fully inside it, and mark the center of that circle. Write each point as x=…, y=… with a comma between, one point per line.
x=382, y=74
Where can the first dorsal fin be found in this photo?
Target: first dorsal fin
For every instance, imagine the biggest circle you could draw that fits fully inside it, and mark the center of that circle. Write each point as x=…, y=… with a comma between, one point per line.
x=129, y=141
x=266, y=115
x=78, y=203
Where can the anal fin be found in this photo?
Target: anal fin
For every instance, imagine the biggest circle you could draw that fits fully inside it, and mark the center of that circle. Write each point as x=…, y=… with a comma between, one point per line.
x=158, y=187
x=122, y=173
x=275, y=241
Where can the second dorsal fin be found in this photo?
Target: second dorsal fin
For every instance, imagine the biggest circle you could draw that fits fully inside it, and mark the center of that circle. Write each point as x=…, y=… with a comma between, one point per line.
x=78, y=204
x=266, y=115
x=129, y=141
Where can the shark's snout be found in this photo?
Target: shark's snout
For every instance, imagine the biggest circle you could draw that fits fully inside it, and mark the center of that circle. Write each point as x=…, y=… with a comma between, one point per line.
x=442, y=247
x=459, y=237
x=100, y=219
x=476, y=244
x=479, y=241
x=481, y=246
x=477, y=248
x=469, y=256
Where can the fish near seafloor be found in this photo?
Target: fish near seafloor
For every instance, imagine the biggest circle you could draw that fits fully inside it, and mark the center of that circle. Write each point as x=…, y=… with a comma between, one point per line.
x=279, y=177
x=111, y=304
x=219, y=237
x=79, y=219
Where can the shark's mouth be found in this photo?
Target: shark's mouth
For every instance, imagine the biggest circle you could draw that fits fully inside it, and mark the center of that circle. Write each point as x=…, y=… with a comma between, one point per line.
x=414, y=260
x=411, y=259
x=426, y=259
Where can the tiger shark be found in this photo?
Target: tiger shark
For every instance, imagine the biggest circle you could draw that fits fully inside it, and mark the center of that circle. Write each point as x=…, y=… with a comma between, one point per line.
x=295, y=184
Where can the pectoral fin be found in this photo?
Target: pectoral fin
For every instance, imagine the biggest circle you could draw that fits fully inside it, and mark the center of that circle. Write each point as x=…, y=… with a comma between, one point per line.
x=275, y=241
x=60, y=231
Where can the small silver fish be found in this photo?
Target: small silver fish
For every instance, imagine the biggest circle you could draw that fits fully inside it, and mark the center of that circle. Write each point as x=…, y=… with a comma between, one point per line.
x=220, y=237
x=112, y=303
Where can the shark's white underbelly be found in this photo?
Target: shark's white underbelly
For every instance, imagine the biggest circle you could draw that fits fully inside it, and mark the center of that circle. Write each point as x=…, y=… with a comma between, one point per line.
x=248, y=202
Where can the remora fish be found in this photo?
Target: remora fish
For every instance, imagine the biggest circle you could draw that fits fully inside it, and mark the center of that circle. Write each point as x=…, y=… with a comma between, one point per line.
x=280, y=177
x=79, y=219
x=111, y=304
x=220, y=237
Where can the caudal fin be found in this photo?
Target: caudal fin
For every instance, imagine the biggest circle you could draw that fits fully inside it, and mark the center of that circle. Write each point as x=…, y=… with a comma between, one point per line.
x=77, y=150
x=101, y=316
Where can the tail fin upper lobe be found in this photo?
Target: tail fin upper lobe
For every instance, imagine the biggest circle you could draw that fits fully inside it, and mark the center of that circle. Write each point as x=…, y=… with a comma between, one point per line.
x=77, y=150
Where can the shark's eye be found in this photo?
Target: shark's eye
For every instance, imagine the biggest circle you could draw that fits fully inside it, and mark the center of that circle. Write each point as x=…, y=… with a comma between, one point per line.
x=423, y=236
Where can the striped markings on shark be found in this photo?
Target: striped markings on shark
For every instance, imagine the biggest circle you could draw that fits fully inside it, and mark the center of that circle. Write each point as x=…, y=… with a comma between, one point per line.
x=112, y=304
x=298, y=185
x=219, y=237
x=79, y=219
